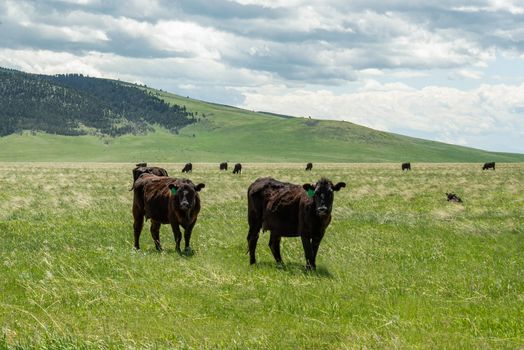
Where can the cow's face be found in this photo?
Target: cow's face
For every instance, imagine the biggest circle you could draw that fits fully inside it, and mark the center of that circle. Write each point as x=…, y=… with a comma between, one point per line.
x=322, y=195
x=184, y=195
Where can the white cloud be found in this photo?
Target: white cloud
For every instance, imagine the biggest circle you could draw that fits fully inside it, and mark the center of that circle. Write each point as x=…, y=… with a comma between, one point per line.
x=400, y=65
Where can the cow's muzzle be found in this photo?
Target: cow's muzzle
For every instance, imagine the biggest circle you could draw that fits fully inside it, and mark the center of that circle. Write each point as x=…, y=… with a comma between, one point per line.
x=322, y=211
x=184, y=205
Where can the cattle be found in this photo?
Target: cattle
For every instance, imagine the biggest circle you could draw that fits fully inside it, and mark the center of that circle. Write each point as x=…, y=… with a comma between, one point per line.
x=289, y=210
x=309, y=166
x=223, y=166
x=166, y=200
x=452, y=197
x=490, y=165
x=139, y=170
x=188, y=168
x=237, y=169
x=406, y=166
x=141, y=165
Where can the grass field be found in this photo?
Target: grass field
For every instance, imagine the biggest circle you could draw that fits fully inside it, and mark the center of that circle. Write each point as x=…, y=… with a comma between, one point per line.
x=399, y=267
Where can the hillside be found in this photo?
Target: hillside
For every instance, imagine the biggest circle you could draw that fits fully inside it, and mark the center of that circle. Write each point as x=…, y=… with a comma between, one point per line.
x=220, y=132
x=77, y=105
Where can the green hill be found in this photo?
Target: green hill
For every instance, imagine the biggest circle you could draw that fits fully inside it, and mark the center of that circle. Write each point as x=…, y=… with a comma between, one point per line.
x=74, y=104
x=220, y=132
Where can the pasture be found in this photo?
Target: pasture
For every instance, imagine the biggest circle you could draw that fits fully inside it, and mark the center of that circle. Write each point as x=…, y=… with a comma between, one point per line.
x=399, y=266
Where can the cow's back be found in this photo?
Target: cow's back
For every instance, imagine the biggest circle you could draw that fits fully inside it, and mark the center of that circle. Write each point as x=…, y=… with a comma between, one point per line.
x=154, y=194
x=275, y=204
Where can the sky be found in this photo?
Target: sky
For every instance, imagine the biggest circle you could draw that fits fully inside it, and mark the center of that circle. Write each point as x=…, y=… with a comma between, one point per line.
x=450, y=71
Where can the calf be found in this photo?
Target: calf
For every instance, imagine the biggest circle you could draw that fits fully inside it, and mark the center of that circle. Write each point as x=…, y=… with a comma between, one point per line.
x=188, y=168
x=139, y=170
x=406, y=166
x=237, y=169
x=309, y=166
x=223, y=166
x=165, y=200
x=452, y=197
x=490, y=165
x=289, y=210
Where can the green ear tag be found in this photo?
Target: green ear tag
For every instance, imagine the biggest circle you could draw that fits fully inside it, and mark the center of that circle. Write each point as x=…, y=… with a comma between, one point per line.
x=173, y=191
x=310, y=193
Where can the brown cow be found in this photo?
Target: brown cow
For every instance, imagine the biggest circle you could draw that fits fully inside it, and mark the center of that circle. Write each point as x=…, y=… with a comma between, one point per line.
x=452, y=197
x=139, y=170
x=289, y=210
x=490, y=165
x=188, y=168
x=237, y=169
x=166, y=200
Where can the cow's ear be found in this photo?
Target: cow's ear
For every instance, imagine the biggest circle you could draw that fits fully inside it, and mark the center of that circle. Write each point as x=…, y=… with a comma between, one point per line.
x=173, y=188
x=308, y=187
x=338, y=186
x=199, y=187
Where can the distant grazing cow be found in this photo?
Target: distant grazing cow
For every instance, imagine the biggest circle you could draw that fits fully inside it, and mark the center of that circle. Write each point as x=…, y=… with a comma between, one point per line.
x=452, y=197
x=141, y=164
x=165, y=200
x=289, y=210
x=188, y=168
x=406, y=166
x=309, y=166
x=490, y=165
x=237, y=169
x=139, y=170
x=223, y=166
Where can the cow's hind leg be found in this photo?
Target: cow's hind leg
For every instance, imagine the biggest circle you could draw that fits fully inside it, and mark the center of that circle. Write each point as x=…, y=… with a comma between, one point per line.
x=252, y=240
x=155, y=233
x=138, y=223
x=274, y=244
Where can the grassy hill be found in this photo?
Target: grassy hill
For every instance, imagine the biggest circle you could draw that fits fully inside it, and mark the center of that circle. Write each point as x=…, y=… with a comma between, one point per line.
x=233, y=134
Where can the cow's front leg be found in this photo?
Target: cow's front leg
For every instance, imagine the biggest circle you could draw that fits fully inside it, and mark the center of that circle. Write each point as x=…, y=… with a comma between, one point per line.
x=178, y=236
x=315, y=243
x=308, y=252
x=187, y=238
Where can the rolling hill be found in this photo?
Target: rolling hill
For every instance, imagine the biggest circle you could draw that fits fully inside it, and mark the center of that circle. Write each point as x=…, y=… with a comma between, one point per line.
x=217, y=132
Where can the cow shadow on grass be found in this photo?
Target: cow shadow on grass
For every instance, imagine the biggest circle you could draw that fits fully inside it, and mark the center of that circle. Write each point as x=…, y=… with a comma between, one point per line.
x=294, y=269
x=166, y=251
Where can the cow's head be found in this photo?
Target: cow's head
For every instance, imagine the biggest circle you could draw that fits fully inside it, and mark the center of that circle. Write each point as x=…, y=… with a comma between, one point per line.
x=184, y=194
x=322, y=195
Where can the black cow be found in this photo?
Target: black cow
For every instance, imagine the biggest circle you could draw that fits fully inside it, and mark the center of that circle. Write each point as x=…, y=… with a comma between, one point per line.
x=289, y=210
x=139, y=170
x=165, y=200
x=188, y=168
x=223, y=166
x=406, y=166
x=452, y=197
x=309, y=166
x=141, y=165
x=237, y=169
x=490, y=165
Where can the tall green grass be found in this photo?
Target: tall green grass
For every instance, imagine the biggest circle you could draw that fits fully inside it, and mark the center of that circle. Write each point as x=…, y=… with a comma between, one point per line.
x=399, y=267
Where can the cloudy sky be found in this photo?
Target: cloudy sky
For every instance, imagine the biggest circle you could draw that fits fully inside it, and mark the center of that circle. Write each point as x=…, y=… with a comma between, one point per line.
x=441, y=70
